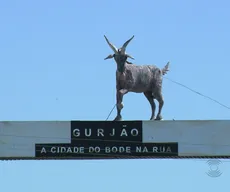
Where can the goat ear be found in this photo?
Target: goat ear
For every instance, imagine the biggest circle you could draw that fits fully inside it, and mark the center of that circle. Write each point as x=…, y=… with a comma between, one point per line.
x=129, y=56
x=129, y=62
x=109, y=57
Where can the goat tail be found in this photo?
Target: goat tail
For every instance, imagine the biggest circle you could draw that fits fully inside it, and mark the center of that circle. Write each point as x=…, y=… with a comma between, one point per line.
x=165, y=69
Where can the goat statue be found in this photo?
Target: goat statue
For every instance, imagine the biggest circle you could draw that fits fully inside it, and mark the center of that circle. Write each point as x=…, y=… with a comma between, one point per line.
x=145, y=79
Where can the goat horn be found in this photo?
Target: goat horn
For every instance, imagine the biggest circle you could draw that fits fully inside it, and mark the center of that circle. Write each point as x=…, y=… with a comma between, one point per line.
x=125, y=45
x=111, y=45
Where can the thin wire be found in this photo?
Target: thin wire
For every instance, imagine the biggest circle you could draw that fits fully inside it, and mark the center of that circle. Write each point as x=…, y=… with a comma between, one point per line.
x=198, y=93
x=110, y=112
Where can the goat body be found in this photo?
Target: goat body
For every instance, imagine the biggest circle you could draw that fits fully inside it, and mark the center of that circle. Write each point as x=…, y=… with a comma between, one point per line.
x=145, y=79
x=139, y=78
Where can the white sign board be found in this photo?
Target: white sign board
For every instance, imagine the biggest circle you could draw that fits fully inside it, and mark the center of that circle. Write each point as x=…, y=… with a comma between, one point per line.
x=114, y=139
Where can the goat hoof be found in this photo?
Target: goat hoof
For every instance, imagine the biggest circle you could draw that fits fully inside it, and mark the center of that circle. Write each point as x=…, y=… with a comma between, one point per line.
x=159, y=117
x=118, y=118
x=152, y=118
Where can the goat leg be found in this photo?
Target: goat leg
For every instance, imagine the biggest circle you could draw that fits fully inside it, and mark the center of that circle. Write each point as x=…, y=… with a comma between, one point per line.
x=150, y=98
x=120, y=94
x=160, y=100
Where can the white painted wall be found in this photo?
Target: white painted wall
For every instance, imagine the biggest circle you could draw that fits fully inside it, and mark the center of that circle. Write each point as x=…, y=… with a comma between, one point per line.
x=195, y=138
x=17, y=139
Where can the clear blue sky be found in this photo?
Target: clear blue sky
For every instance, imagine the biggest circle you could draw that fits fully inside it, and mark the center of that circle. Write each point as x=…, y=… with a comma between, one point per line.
x=52, y=68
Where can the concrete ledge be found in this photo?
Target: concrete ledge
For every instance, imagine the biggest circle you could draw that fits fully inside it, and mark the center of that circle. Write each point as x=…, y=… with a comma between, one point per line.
x=46, y=140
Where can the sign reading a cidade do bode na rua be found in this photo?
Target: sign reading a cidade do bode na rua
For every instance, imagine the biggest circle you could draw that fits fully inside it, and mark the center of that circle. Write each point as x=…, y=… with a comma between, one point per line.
x=105, y=139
